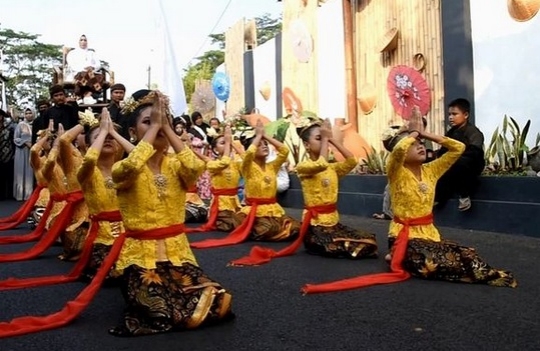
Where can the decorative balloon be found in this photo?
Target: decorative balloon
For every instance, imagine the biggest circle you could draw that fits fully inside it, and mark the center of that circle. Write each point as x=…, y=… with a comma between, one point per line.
x=221, y=85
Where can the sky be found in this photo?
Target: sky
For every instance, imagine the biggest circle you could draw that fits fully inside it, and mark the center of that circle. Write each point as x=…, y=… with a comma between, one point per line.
x=126, y=33
x=505, y=68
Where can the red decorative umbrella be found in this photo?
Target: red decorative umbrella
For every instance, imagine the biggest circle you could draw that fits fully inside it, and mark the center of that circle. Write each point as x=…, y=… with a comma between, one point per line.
x=406, y=89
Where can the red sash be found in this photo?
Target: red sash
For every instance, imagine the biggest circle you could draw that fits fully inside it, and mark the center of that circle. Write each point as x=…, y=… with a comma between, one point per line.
x=34, y=234
x=397, y=273
x=32, y=324
x=240, y=233
x=75, y=273
x=214, y=210
x=60, y=224
x=260, y=255
x=23, y=212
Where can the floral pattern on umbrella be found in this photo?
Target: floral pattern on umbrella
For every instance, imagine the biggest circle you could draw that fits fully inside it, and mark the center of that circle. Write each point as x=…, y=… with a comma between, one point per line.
x=408, y=88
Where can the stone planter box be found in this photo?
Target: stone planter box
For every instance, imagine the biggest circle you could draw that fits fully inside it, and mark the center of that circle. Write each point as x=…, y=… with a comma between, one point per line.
x=502, y=204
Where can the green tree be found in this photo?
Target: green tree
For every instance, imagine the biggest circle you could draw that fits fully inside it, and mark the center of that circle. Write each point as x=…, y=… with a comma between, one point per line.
x=200, y=71
x=27, y=64
x=204, y=68
x=267, y=28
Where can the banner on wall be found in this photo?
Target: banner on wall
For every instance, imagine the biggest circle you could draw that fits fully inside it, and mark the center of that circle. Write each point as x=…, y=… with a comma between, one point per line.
x=264, y=79
x=173, y=84
x=331, y=70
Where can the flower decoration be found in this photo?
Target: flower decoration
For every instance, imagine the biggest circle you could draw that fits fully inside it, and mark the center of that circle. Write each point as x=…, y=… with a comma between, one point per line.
x=87, y=118
x=129, y=106
x=392, y=135
x=150, y=276
x=390, y=132
x=306, y=120
x=240, y=127
x=211, y=132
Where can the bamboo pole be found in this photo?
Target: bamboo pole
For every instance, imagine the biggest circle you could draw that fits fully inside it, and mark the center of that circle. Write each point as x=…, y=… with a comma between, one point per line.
x=350, y=72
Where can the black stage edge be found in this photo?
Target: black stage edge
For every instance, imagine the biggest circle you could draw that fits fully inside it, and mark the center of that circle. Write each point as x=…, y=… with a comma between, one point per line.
x=508, y=205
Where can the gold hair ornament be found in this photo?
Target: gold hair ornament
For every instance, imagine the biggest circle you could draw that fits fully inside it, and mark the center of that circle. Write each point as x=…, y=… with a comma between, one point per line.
x=131, y=104
x=305, y=122
x=87, y=118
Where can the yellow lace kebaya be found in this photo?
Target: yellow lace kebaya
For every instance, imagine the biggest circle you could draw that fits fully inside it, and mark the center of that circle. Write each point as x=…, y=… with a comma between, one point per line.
x=37, y=161
x=53, y=175
x=99, y=195
x=320, y=182
x=148, y=201
x=262, y=183
x=411, y=197
x=70, y=159
x=225, y=174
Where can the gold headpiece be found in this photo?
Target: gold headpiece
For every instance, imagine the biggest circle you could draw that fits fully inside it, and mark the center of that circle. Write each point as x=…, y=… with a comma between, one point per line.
x=87, y=118
x=392, y=135
x=390, y=132
x=305, y=122
x=131, y=104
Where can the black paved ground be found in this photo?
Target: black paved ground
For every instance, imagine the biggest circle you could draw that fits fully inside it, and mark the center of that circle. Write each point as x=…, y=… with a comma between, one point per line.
x=273, y=315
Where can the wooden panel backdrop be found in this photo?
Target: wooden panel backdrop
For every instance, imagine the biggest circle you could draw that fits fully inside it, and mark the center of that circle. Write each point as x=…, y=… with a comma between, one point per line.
x=419, y=24
x=234, y=66
x=300, y=77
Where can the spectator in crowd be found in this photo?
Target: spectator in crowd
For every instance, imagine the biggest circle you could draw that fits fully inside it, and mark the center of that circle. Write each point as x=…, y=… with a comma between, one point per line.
x=7, y=151
x=23, y=175
x=39, y=122
x=118, y=92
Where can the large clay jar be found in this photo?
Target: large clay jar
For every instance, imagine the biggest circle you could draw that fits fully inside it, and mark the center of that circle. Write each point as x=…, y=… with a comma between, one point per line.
x=351, y=140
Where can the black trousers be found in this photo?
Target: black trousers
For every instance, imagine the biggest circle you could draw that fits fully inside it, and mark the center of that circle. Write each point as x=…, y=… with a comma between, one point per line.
x=460, y=179
x=6, y=181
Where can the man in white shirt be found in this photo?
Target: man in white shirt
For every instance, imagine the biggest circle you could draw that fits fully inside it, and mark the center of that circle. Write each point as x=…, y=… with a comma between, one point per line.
x=81, y=59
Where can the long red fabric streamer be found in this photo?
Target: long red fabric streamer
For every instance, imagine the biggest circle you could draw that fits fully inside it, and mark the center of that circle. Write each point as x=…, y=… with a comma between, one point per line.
x=34, y=234
x=241, y=233
x=60, y=224
x=75, y=273
x=397, y=273
x=23, y=212
x=33, y=324
x=214, y=210
x=261, y=255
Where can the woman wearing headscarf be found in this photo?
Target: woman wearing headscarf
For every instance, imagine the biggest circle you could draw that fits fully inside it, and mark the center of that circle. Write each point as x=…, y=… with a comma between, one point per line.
x=199, y=144
x=23, y=173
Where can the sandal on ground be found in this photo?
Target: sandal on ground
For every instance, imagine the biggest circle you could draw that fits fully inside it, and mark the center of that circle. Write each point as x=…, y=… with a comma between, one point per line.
x=464, y=203
x=381, y=216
